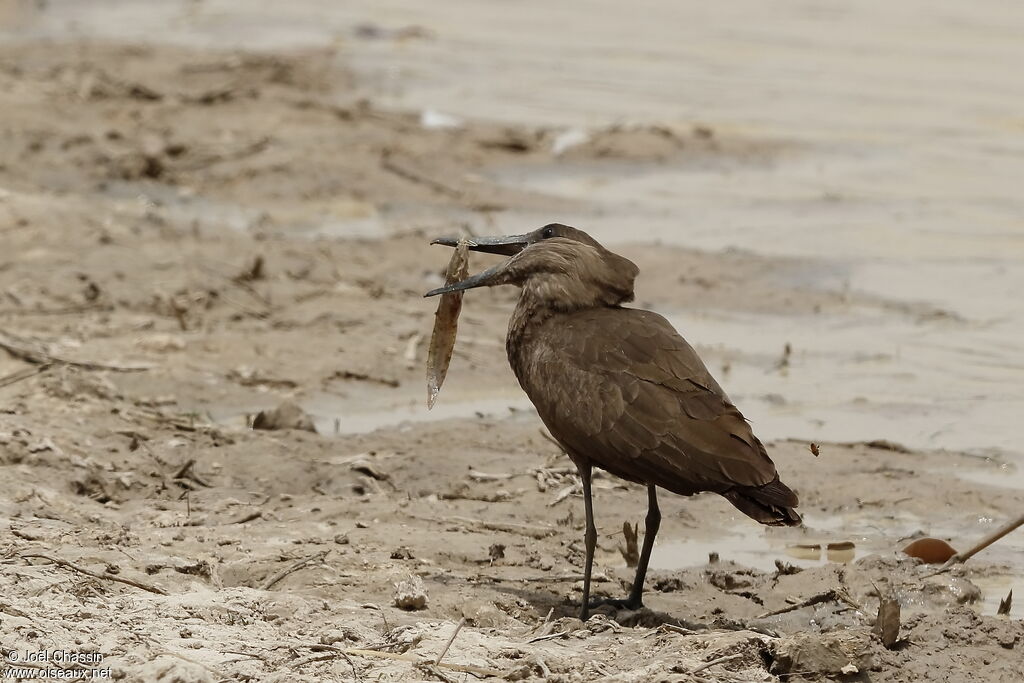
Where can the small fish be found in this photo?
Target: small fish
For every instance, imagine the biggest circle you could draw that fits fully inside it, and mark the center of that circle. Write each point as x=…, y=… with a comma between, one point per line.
x=446, y=324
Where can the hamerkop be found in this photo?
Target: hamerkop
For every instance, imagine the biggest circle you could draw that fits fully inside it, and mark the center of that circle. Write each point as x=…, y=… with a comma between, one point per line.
x=619, y=388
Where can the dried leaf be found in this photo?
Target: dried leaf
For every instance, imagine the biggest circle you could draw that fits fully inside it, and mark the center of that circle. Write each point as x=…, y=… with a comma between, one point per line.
x=887, y=623
x=930, y=550
x=1006, y=604
x=446, y=324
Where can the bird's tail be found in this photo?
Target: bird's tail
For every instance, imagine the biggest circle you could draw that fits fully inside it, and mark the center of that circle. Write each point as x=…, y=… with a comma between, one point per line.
x=771, y=504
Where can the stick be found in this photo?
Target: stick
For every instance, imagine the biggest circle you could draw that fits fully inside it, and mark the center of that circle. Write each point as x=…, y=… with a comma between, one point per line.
x=549, y=636
x=828, y=595
x=18, y=349
x=981, y=545
x=717, y=660
x=95, y=575
x=294, y=567
x=458, y=627
x=248, y=518
x=400, y=170
x=531, y=530
x=24, y=374
x=479, y=670
x=477, y=475
x=67, y=310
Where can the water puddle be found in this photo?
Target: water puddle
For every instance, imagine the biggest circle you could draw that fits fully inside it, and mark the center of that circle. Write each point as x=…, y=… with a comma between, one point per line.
x=838, y=540
x=335, y=415
x=339, y=415
x=823, y=540
x=846, y=382
x=755, y=550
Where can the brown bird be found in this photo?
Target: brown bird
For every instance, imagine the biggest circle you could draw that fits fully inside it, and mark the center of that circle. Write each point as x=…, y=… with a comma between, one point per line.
x=619, y=388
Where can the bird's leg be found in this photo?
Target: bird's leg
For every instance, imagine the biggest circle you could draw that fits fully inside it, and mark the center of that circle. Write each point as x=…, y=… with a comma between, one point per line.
x=651, y=525
x=589, y=539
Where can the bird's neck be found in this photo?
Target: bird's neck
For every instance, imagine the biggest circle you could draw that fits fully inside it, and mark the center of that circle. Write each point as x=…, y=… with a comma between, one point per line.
x=527, y=318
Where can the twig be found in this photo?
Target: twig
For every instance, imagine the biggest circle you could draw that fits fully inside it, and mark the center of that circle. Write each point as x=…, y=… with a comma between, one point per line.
x=465, y=668
x=248, y=518
x=827, y=596
x=212, y=158
x=432, y=669
x=313, y=658
x=675, y=629
x=364, y=377
x=531, y=530
x=548, y=636
x=717, y=660
x=292, y=568
x=24, y=374
x=183, y=470
x=95, y=575
x=477, y=475
x=176, y=422
x=458, y=627
x=19, y=349
x=66, y=310
x=981, y=545
x=402, y=171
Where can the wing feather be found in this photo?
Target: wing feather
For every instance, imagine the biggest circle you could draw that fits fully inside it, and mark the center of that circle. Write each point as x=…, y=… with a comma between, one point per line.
x=622, y=388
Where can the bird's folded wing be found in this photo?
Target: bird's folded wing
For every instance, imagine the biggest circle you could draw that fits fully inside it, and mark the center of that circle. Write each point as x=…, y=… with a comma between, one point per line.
x=622, y=388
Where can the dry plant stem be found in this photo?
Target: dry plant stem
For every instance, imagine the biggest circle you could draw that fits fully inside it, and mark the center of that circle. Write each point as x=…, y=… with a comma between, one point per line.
x=981, y=545
x=389, y=164
x=531, y=530
x=717, y=660
x=458, y=627
x=292, y=568
x=24, y=374
x=549, y=636
x=476, y=670
x=828, y=595
x=95, y=575
x=28, y=354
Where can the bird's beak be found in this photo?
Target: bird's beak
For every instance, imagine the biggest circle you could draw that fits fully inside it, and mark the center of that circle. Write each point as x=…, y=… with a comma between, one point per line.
x=506, y=246
x=485, y=279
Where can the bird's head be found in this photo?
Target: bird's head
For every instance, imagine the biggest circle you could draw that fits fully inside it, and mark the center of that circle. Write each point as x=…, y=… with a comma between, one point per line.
x=556, y=266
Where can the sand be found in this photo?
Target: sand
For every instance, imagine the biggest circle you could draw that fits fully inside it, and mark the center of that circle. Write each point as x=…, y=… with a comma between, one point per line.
x=195, y=234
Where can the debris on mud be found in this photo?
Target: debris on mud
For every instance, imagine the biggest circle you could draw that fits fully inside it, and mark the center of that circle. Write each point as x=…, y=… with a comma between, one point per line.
x=288, y=415
x=840, y=652
x=411, y=594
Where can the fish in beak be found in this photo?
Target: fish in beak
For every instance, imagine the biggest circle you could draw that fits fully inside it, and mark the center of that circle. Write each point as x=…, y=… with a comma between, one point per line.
x=509, y=245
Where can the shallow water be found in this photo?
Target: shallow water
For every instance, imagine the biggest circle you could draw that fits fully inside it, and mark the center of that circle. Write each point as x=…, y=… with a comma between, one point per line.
x=752, y=545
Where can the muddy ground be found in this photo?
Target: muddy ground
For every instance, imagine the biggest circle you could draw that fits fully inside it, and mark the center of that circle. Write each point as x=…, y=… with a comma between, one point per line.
x=172, y=265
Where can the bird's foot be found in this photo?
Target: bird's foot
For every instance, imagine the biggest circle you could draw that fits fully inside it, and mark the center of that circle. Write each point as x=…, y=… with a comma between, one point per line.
x=629, y=603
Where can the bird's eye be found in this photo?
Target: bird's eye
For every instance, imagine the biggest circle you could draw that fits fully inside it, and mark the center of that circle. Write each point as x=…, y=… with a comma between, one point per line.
x=548, y=233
